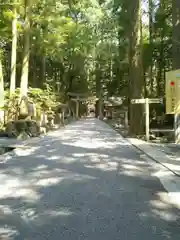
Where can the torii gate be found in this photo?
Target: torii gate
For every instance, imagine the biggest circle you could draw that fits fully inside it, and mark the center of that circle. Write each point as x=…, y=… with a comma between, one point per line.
x=80, y=97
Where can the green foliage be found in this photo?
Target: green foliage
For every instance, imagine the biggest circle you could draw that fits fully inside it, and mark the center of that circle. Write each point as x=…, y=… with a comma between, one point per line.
x=74, y=43
x=43, y=97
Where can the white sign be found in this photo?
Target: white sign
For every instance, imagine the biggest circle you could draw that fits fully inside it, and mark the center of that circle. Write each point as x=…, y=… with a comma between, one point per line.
x=136, y=101
x=150, y=100
x=155, y=100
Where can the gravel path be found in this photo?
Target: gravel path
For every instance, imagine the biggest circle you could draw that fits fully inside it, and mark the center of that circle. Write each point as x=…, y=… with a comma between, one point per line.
x=84, y=182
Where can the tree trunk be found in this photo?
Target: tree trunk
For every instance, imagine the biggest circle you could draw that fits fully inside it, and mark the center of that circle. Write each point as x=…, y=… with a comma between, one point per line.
x=176, y=55
x=43, y=71
x=176, y=34
x=13, y=52
x=99, y=105
x=1, y=92
x=135, y=68
x=26, y=51
x=151, y=46
x=34, y=71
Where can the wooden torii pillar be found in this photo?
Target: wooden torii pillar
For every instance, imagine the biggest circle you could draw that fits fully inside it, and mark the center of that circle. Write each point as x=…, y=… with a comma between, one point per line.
x=63, y=107
x=80, y=97
x=76, y=98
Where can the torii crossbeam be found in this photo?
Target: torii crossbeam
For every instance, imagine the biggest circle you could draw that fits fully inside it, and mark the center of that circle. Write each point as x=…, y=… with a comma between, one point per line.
x=80, y=97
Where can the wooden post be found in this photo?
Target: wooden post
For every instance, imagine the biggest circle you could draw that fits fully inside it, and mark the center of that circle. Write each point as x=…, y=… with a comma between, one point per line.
x=126, y=119
x=43, y=118
x=147, y=101
x=177, y=128
x=63, y=116
x=77, y=107
x=60, y=116
x=147, y=119
x=100, y=106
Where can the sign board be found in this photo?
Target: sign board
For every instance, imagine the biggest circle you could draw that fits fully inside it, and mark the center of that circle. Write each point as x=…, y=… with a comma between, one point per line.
x=173, y=92
x=138, y=101
x=150, y=100
x=156, y=100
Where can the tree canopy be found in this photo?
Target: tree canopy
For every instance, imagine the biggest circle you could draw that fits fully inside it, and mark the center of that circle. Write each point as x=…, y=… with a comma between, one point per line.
x=101, y=47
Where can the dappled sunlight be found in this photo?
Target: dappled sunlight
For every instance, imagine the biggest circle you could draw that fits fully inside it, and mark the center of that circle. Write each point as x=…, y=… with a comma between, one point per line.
x=164, y=215
x=168, y=200
x=131, y=173
x=17, y=187
x=48, y=181
x=41, y=156
x=8, y=233
x=47, y=215
x=95, y=157
x=173, y=167
x=41, y=167
x=27, y=194
x=171, y=182
x=110, y=166
x=18, y=171
x=60, y=212
x=159, y=204
x=131, y=170
x=46, y=177
x=175, y=198
x=67, y=160
x=36, y=174
x=82, y=182
x=88, y=143
x=78, y=154
x=131, y=167
x=163, y=155
x=76, y=132
x=25, y=151
x=86, y=138
x=163, y=196
x=51, y=150
x=161, y=208
x=164, y=173
x=53, y=158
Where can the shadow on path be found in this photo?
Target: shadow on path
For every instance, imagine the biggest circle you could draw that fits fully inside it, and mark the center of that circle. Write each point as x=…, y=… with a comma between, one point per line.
x=85, y=182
